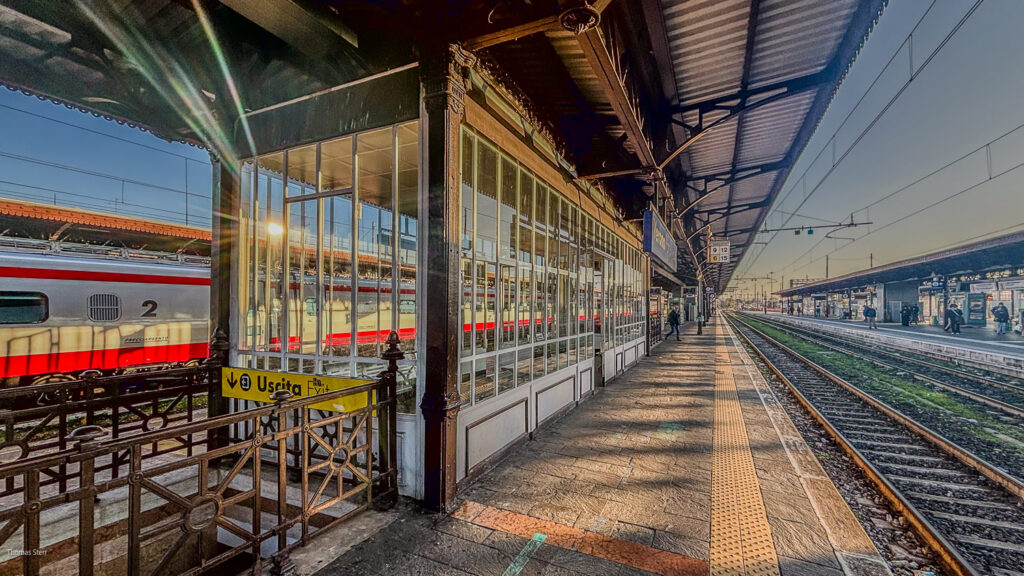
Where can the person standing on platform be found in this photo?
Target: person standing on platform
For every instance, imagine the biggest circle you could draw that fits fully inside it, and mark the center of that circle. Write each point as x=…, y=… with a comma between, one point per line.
x=905, y=316
x=673, y=323
x=954, y=318
x=869, y=316
x=1002, y=317
x=915, y=314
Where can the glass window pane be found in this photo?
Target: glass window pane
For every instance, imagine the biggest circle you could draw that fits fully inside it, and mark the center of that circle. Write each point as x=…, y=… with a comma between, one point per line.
x=508, y=306
x=509, y=222
x=303, y=271
x=302, y=170
x=270, y=189
x=375, y=248
x=336, y=176
x=486, y=203
x=524, y=318
x=552, y=355
x=408, y=235
x=506, y=372
x=467, y=306
x=336, y=165
x=524, y=366
x=23, y=307
x=550, y=311
x=466, y=383
x=539, y=365
x=484, y=379
x=468, y=177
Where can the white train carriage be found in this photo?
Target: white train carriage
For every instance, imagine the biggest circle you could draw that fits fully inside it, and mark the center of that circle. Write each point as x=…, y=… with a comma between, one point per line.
x=101, y=309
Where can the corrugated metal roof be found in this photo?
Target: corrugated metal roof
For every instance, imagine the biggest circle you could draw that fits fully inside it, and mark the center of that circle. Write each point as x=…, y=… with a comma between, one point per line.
x=708, y=39
x=721, y=49
x=797, y=37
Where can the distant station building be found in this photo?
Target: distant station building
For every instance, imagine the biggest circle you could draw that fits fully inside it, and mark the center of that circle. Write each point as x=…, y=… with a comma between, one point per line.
x=975, y=277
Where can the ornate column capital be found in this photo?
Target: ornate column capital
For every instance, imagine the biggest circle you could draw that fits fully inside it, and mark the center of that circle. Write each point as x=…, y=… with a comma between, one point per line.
x=445, y=77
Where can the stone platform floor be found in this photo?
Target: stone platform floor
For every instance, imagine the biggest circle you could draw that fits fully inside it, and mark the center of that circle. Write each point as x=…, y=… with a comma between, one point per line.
x=685, y=464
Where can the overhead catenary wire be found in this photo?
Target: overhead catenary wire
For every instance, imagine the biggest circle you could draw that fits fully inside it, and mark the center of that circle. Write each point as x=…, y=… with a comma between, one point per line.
x=860, y=136
x=938, y=170
x=70, y=168
x=99, y=133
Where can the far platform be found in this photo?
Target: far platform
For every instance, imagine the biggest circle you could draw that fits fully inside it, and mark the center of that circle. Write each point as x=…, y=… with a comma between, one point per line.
x=685, y=465
x=978, y=337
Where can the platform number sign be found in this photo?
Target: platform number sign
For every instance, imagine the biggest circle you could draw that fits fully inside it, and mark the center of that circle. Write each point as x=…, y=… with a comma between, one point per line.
x=718, y=251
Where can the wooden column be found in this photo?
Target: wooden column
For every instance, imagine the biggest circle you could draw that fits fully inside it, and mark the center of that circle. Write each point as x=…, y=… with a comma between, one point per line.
x=443, y=78
x=226, y=195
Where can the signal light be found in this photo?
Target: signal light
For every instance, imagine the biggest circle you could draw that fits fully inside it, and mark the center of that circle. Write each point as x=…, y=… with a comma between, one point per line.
x=810, y=231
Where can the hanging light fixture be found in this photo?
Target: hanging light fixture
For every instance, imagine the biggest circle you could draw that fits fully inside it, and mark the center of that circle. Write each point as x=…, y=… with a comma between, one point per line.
x=579, y=17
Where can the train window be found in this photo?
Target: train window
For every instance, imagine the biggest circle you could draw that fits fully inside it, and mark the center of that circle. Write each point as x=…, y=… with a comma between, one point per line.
x=104, y=307
x=23, y=307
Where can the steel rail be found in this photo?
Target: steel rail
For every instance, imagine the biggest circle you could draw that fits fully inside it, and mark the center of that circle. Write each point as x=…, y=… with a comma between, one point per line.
x=815, y=339
x=949, y=555
x=958, y=373
x=987, y=469
x=1017, y=374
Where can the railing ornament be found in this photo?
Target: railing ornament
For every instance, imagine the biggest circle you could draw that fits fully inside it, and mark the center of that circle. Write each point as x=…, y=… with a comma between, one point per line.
x=85, y=434
x=280, y=395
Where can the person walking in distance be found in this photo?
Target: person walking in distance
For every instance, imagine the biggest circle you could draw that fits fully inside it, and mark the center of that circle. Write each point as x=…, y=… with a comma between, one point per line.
x=869, y=316
x=954, y=318
x=673, y=322
x=1002, y=317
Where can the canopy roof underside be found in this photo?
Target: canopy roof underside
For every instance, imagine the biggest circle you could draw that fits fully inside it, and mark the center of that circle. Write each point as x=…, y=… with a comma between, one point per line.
x=697, y=108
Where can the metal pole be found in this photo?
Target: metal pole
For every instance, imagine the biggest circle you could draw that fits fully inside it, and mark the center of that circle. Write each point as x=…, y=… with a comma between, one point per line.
x=700, y=303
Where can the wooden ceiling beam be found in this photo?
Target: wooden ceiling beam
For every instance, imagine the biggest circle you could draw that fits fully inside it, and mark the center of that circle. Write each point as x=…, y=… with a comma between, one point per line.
x=512, y=33
x=601, y=64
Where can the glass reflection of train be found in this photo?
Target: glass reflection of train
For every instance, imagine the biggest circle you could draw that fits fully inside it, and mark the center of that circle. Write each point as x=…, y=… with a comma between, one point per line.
x=372, y=315
x=65, y=309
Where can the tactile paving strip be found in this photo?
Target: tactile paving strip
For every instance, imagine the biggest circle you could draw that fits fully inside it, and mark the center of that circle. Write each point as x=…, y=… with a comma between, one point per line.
x=741, y=539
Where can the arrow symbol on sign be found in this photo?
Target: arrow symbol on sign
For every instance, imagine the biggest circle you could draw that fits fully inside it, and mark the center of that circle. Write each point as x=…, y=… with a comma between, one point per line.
x=232, y=380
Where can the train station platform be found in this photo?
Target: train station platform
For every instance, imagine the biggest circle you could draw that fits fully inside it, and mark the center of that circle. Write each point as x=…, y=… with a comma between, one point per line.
x=687, y=465
x=975, y=344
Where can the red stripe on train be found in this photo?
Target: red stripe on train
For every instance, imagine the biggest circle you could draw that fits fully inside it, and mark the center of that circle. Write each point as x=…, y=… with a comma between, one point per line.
x=32, y=364
x=83, y=275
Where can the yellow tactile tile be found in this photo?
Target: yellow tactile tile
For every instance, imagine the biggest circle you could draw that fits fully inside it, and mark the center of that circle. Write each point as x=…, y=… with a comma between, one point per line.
x=741, y=539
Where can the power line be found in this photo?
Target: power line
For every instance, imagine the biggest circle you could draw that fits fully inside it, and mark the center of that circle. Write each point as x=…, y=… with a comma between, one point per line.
x=79, y=195
x=99, y=174
x=91, y=206
x=90, y=130
x=876, y=118
x=901, y=189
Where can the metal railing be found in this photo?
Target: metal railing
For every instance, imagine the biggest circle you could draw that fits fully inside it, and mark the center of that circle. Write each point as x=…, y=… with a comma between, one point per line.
x=232, y=506
x=39, y=419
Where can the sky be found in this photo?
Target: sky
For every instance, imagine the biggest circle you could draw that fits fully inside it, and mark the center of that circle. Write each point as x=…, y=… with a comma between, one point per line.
x=53, y=154
x=924, y=139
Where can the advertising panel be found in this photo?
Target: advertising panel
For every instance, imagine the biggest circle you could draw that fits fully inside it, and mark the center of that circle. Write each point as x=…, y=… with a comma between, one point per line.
x=658, y=241
x=975, y=313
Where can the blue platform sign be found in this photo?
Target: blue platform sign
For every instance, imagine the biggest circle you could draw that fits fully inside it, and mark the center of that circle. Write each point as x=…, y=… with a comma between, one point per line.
x=658, y=241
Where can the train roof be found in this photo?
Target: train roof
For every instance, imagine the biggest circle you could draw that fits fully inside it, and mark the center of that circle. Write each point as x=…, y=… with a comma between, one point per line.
x=32, y=220
x=29, y=253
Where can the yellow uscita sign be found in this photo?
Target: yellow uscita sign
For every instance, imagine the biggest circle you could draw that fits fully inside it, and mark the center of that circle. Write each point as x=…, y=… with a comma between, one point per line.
x=258, y=385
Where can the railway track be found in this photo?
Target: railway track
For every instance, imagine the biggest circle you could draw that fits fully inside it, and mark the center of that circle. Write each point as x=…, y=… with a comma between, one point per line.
x=970, y=512
x=1003, y=395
